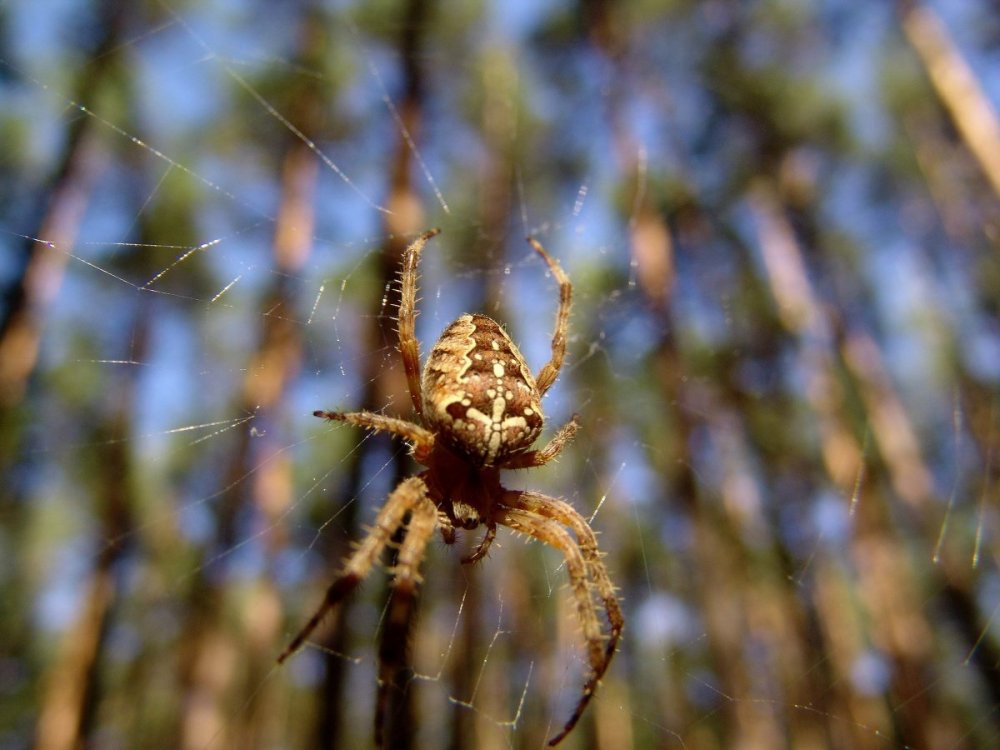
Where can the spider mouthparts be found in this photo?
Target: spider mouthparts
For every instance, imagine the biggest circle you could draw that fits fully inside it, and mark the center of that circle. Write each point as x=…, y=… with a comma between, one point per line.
x=465, y=515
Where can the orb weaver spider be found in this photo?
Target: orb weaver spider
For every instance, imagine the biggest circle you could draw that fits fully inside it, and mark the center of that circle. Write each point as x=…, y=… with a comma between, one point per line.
x=478, y=411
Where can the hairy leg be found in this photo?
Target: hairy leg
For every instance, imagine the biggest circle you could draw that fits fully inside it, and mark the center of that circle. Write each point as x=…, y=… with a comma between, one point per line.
x=359, y=564
x=566, y=514
x=422, y=440
x=551, y=450
x=547, y=375
x=408, y=346
x=552, y=533
x=396, y=632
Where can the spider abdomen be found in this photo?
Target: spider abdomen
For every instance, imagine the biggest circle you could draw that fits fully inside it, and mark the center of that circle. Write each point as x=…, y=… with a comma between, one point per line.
x=479, y=394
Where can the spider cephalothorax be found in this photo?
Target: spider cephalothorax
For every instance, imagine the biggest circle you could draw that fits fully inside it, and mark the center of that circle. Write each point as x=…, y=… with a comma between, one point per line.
x=478, y=411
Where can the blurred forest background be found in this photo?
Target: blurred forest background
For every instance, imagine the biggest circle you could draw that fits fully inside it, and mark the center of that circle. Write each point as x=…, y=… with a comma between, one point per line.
x=781, y=219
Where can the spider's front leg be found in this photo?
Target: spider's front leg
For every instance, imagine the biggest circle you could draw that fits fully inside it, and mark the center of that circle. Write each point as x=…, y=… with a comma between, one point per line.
x=543, y=518
x=396, y=632
x=410, y=492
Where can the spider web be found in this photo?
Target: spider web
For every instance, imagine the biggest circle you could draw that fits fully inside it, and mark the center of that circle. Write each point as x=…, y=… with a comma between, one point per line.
x=793, y=569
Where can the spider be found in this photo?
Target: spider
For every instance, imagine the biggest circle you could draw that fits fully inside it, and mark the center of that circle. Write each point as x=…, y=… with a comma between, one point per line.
x=478, y=410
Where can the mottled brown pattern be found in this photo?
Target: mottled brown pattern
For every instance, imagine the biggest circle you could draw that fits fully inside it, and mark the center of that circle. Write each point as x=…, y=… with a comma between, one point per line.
x=478, y=411
x=479, y=392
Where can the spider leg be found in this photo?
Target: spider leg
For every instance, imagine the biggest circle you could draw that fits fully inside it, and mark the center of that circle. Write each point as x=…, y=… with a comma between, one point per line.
x=566, y=514
x=550, y=371
x=551, y=450
x=483, y=547
x=579, y=569
x=395, y=635
x=421, y=439
x=359, y=564
x=408, y=345
x=547, y=512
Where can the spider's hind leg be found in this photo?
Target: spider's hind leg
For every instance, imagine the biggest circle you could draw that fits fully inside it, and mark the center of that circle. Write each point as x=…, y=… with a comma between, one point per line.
x=408, y=346
x=547, y=375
